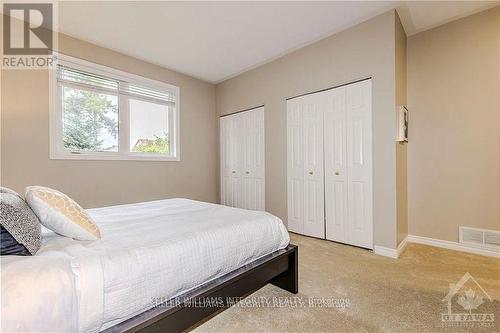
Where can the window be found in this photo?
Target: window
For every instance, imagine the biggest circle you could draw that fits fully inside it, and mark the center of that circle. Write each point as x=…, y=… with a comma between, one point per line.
x=102, y=113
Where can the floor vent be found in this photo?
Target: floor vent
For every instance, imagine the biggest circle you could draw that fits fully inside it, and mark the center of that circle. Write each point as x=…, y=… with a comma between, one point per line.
x=483, y=238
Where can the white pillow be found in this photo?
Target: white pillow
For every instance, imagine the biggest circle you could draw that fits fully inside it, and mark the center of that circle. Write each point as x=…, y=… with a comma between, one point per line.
x=61, y=214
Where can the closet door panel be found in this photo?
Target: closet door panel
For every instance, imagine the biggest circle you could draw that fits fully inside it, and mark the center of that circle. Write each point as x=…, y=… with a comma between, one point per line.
x=230, y=156
x=247, y=154
x=223, y=138
x=337, y=227
x=314, y=218
x=229, y=181
x=295, y=161
x=253, y=171
x=359, y=159
x=259, y=170
x=235, y=144
x=261, y=160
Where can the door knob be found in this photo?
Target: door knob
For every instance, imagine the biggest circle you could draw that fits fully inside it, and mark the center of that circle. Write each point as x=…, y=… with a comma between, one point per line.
x=337, y=173
x=311, y=173
x=233, y=171
x=247, y=172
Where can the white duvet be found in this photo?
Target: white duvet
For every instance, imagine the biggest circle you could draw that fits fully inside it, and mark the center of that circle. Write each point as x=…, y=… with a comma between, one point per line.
x=148, y=250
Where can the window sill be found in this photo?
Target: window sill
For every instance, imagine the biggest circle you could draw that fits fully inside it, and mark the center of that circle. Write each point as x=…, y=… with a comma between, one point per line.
x=113, y=157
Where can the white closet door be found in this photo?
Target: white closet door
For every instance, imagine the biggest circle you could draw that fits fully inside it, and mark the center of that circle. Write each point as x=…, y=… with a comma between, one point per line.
x=253, y=168
x=230, y=161
x=224, y=161
x=348, y=165
x=337, y=224
x=295, y=165
x=305, y=165
x=242, y=160
x=359, y=163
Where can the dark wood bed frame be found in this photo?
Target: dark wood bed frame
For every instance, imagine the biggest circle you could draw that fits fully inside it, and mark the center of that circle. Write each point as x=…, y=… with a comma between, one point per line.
x=176, y=315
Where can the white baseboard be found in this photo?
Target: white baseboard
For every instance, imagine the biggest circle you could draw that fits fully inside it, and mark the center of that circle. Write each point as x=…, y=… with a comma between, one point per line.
x=402, y=246
x=452, y=246
x=389, y=252
x=385, y=251
x=395, y=253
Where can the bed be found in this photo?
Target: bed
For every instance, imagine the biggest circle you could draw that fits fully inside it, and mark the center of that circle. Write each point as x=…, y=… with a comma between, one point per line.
x=150, y=253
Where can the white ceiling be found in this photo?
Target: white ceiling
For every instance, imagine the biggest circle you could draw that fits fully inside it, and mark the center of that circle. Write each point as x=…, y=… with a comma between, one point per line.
x=214, y=41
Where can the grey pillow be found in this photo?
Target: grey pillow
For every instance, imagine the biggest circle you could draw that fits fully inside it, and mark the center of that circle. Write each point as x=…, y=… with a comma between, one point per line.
x=19, y=220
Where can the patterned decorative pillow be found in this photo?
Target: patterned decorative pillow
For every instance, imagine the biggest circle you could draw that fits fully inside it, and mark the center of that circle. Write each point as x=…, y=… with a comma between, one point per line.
x=61, y=214
x=21, y=230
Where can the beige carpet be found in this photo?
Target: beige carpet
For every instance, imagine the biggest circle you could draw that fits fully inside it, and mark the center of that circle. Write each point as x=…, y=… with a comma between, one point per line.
x=386, y=295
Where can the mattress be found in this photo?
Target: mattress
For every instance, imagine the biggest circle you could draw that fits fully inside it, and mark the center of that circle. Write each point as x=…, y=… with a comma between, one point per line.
x=150, y=250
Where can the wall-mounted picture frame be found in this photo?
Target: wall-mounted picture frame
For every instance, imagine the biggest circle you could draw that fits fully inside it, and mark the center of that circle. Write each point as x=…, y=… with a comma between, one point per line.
x=402, y=125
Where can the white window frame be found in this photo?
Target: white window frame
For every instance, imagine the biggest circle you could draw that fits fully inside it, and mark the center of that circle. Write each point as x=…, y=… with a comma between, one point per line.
x=57, y=151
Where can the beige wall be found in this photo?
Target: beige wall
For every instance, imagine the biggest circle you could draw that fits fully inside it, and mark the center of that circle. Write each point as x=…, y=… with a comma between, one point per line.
x=366, y=50
x=454, y=103
x=401, y=148
x=25, y=139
